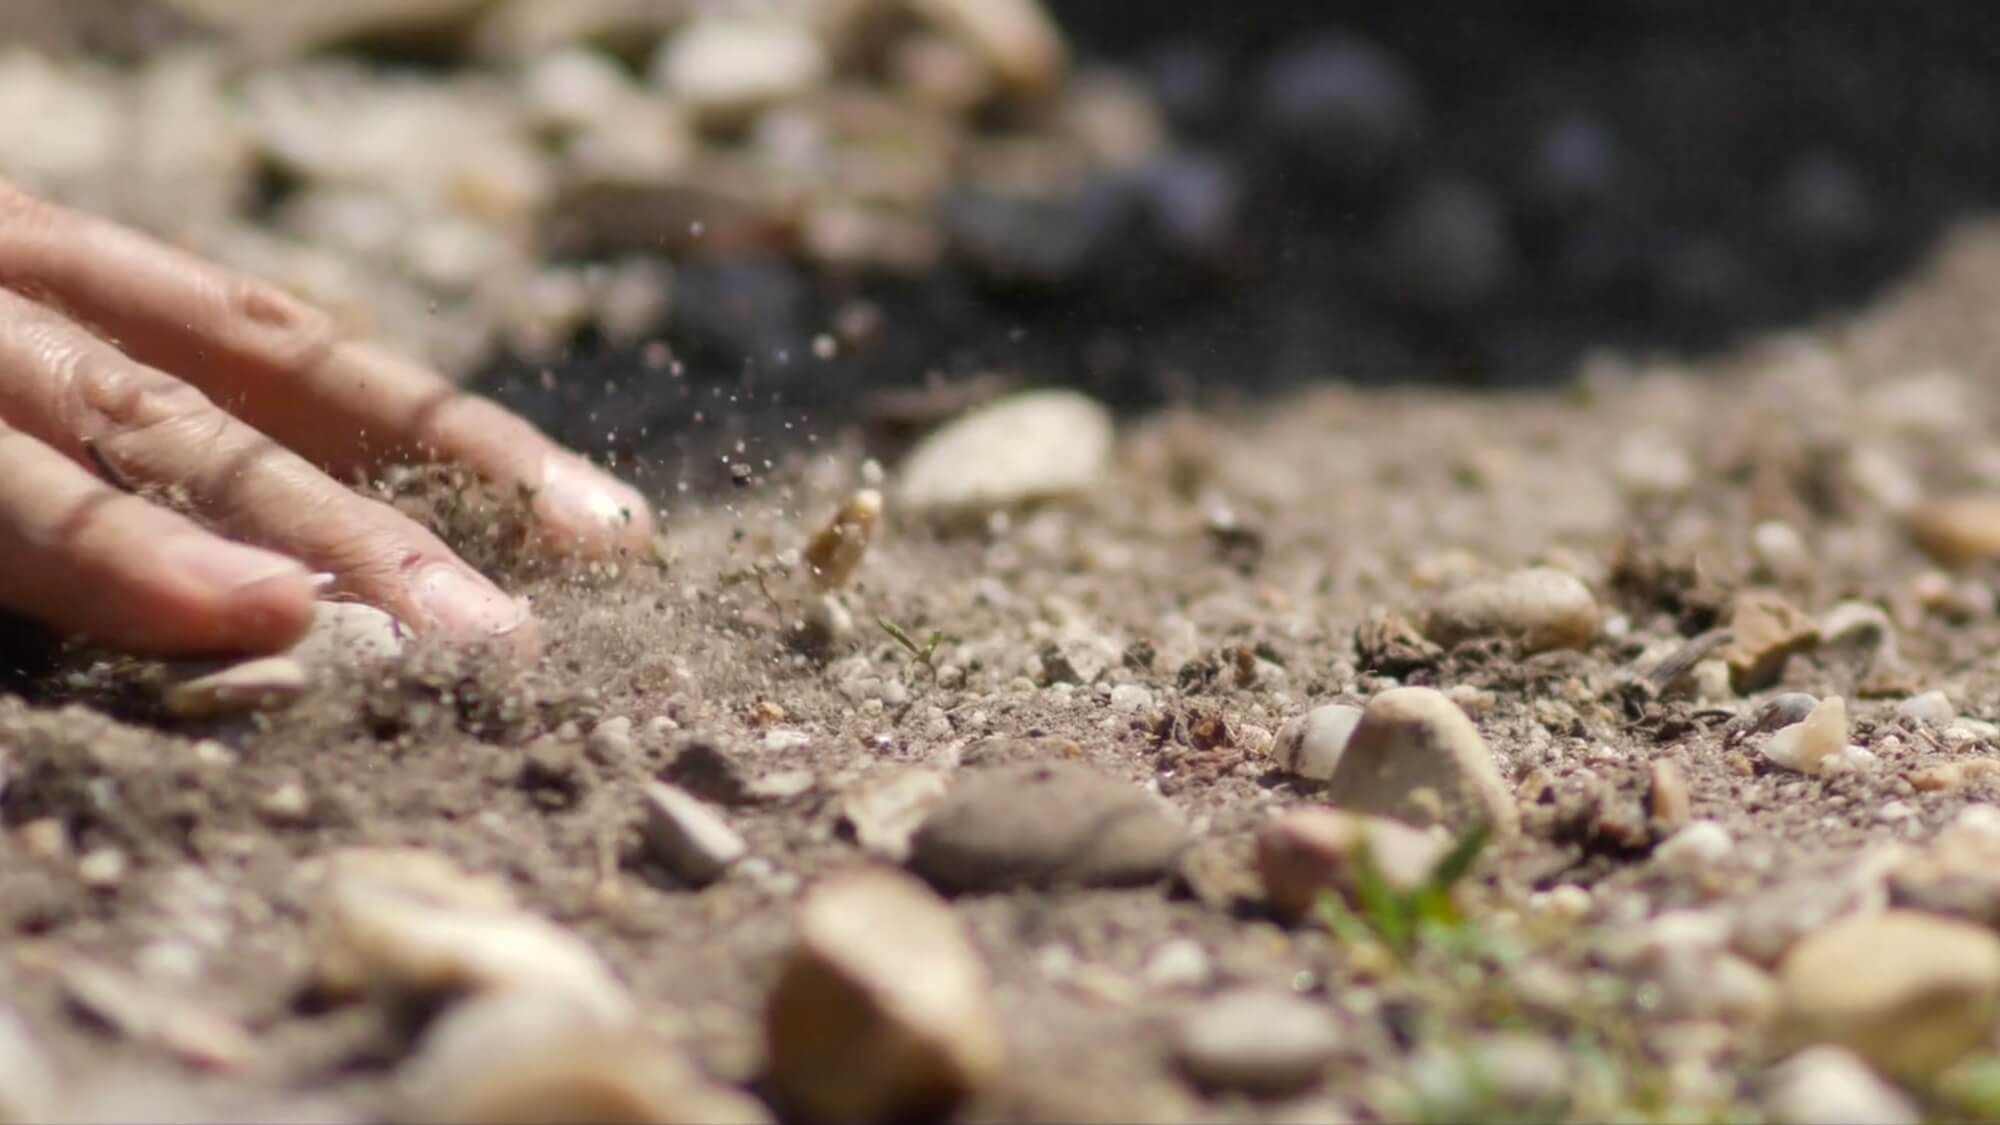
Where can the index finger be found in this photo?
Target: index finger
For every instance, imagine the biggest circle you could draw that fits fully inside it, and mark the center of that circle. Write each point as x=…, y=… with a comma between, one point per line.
x=285, y=368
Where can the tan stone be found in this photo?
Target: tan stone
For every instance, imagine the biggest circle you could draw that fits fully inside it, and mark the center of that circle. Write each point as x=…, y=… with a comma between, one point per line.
x=1765, y=631
x=1417, y=758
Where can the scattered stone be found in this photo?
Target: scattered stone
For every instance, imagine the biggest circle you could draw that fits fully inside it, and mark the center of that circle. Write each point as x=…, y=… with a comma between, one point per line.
x=1953, y=776
x=1389, y=645
x=884, y=814
x=254, y=685
x=1133, y=699
x=102, y=868
x=1815, y=745
x=1540, y=607
x=882, y=1010
x=611, y=740
x=527, y=1055
x=778, y=740
x=1960, y=531
x=1306, y=853
x=289, y=803
x=1310, y=745
x=1695, y=849
x=1180, y=963
x=688, y=837
x=780, y=786
x=1862, y=625
x=1932, y=708
x=1417, y=758
x=837, y=549
x=1778, y=712
x=1781, y=552
x=1025, y=447
x=1042, y=825
x=1257, y=1041
x=725, y=66
x=408, y=921
x=1833, y=1086
x=1910, y=992
x=1510, y=1073
x=1668, y=802
x=346, y=634
x=1765, y=631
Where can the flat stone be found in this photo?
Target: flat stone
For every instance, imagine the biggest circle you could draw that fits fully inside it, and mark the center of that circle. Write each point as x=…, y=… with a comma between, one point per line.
x=1022, y=448
x=1815, y=745
x=529, y=1055
x=885, y=813
x=1958, y=531
x=1307, y=853
x=1257, y=1041
x=1541, y=608
x=405, y=921
x=1310, y=745
x=690, y=838
x=1833, y=1086
x=1909, y=992
x=1044, y=824
x=882, y=1010
x=346, y=634
x=1417, y=758
x=254, y=685
x=1765, y=631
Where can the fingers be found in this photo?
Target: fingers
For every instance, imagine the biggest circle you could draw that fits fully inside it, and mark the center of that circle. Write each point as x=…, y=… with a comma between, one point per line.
x=283, y=367
x=91, y=561
x=86, y=400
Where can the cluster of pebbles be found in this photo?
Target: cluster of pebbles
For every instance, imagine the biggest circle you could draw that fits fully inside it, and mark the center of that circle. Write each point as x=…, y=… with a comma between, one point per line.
x=1084, y=770
x=472, y=179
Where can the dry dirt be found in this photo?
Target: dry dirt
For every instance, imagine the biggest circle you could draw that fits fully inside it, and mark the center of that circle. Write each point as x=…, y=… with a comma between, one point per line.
x=1644, y=481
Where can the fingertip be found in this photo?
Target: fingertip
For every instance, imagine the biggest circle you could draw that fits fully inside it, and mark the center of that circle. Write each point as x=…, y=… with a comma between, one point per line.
x=588, y=512
x=272, y=613
x=237, y=597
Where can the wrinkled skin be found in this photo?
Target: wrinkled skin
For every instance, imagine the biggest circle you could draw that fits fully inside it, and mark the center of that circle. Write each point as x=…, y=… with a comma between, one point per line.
x=125, y=363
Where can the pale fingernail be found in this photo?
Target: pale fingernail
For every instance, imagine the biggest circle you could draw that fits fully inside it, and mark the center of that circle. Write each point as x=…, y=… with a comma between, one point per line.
x=464, y=605
x=579, y=500
x=228, y=567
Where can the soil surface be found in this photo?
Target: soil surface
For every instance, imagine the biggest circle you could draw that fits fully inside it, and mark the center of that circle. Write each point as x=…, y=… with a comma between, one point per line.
x=1223, y=568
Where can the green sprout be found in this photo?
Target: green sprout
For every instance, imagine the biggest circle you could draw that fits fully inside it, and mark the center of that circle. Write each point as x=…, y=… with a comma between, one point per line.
x=1405, y=920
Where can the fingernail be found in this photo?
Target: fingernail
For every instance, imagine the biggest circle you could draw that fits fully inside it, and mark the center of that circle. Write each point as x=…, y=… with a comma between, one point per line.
x=463, y=605
x=229, y=567
x=577, y=499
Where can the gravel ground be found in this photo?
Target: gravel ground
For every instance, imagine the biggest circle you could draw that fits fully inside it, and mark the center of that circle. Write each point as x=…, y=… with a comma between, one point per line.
x=1696, y=893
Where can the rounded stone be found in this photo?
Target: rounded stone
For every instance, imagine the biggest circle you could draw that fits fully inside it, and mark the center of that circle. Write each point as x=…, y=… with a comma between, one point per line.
x=1304, y=854
x=1417, y=758
x=1026, y=447
x=1310, y=744
x=1542, y=608
x=1257, y=1041
x=1045, y=824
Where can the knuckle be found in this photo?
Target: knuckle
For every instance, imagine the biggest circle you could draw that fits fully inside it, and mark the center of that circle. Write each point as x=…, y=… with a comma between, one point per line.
x=111, y=396
x=267, y=318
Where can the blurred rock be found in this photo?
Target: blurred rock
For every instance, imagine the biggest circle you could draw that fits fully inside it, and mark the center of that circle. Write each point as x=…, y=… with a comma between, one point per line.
x=1417, y=758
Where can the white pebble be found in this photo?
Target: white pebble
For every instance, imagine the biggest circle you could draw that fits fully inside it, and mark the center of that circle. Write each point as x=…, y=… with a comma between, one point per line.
x=1310, y=745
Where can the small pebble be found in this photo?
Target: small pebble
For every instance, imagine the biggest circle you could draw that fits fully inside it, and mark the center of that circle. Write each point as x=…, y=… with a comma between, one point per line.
x=1131, y=698
x=1542, y=608
x=1932, y=708
x=1043, y=824
x=1417, y=758
x=885, y=813
x=102, y=868
x=1032, y=446
x=1181, y=963
x=1781, y=552
x=837, y=549
x=1257, y=1041
x=727, y=66
x=1668, y=802
x=1305, y=853
x=1860, y=624
x=254, y=685
x=347, y=634
x=1765, y=632
x=1696, y=849
x=689, y=838
x=1960, y=531
x=1815, y=744
x=882, y=1010
x=1310, y=745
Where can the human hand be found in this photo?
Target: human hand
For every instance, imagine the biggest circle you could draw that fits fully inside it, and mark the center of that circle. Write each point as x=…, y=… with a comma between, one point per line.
x=125, y=364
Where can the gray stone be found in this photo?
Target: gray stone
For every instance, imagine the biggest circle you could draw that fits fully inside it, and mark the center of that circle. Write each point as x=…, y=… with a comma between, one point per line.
x=1417, y=758
x=1045, y=824
x=882, y=1010
x=1257, y=1041
x=1022, y=448
x=1310, y=745
x=1540, y=607
x=689, y=838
